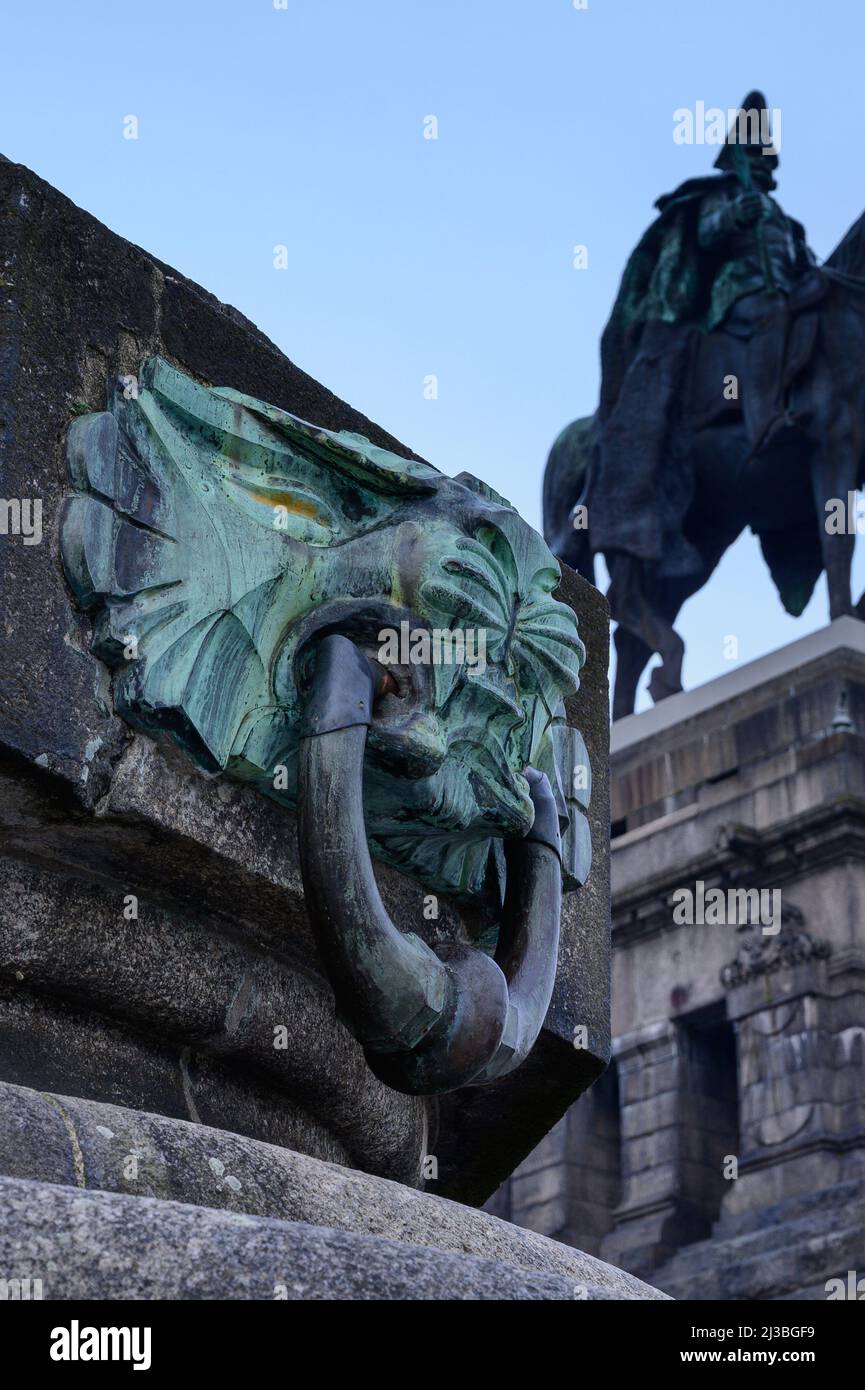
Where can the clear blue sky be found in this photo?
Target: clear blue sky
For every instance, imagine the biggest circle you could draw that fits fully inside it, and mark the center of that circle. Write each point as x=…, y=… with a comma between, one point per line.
x=303, y=126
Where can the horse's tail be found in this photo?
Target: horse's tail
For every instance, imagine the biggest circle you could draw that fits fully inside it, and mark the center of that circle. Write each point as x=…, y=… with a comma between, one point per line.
x=565, y=478
x=849, y=255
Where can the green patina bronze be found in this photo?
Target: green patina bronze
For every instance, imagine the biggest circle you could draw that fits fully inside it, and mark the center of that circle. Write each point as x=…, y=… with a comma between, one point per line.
x=216, y=539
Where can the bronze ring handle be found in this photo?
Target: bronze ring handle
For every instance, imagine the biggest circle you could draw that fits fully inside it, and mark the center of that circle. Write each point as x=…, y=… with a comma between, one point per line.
x=429, y=1020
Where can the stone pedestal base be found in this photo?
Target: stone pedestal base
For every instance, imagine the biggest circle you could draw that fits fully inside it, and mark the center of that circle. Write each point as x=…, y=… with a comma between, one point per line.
x=129, y=1205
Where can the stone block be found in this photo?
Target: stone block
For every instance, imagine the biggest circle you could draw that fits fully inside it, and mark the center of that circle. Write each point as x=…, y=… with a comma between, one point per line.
x=91, y=802
x=86, y=1147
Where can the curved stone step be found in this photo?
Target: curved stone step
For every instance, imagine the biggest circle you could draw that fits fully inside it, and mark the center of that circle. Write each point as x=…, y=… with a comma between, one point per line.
x=785, y=1224
x=723, y=1271
x=98, y=1245
x=67, y=1143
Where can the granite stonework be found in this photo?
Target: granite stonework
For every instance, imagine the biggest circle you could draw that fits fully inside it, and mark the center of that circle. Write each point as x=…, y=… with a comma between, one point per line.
x=103, y=1246
x=100, y=1148
x=723, y=1153
x=155, y=952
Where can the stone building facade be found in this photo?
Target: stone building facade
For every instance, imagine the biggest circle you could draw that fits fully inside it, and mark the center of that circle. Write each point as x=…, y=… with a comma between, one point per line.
x=723, y=1153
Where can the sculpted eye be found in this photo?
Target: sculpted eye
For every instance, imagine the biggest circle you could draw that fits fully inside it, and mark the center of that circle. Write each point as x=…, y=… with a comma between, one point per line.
x=282, y=506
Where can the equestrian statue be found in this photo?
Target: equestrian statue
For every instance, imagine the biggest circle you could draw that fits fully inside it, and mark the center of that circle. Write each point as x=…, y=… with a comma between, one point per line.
x=732, y=395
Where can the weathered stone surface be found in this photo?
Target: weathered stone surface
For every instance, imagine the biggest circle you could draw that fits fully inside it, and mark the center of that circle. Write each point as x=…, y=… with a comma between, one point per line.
x=100, y=1246
x=48, y=1044
x=210, y=1008
x=64, y=1140
x=788, y=1251
x=88, y=801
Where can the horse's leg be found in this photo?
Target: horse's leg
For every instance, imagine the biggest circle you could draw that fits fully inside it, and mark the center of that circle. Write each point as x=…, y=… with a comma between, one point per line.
x=712, y=541
x=645, y=606
x=834, y=475
x=632, y=657
x=642, y=629
x=666, y=679
x=860, y=482
x=634, y=651
x=628, y=580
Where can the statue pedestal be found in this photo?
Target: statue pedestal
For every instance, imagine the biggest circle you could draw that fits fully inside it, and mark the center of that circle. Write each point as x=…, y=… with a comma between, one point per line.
x=155, y=952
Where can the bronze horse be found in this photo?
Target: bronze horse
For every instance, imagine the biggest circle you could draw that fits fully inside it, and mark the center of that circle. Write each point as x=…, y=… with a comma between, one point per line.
x=782, y=489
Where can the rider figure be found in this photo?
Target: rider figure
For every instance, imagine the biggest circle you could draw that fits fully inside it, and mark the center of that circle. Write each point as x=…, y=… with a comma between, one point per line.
x=720, y=367
x=721, y=285
x=764, y=268
x=728, y=225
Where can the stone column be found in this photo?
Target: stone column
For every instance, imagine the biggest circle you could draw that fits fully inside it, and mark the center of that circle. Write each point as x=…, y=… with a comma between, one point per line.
x=678, y=1107
x=798, y=1040
x=650, y=1066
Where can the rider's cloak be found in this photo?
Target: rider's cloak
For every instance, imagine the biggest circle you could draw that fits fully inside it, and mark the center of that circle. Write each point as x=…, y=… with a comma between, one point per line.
x=641, y=481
